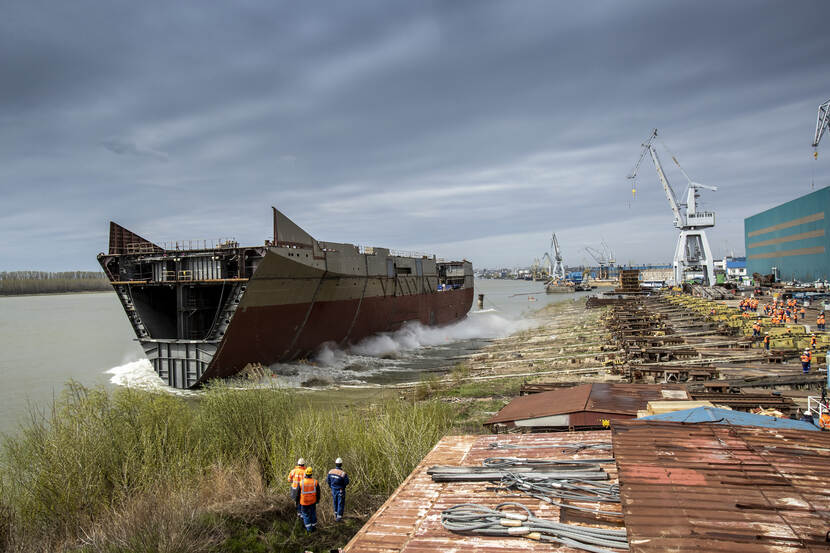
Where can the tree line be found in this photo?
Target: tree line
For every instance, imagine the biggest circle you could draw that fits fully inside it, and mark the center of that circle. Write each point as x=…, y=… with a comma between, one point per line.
x=14, y=283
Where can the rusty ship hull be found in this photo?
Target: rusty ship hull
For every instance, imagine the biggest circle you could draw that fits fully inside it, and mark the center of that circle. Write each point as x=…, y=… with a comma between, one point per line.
x=208, y=312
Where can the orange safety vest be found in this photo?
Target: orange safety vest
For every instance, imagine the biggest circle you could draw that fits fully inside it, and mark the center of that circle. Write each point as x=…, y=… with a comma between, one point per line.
x=813, y=342
x=296, y=476
x=308, y=491
x=805, y=358
x=820, y=320
x=766, y=339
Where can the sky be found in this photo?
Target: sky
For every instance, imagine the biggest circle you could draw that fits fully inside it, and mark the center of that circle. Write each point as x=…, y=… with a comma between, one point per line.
x=468, y=129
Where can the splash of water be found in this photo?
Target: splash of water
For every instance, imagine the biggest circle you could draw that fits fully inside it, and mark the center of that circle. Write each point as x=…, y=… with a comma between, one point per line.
x=381, y=353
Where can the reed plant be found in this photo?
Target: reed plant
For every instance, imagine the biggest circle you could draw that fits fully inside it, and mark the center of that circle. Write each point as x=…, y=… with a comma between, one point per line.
x=100, y=466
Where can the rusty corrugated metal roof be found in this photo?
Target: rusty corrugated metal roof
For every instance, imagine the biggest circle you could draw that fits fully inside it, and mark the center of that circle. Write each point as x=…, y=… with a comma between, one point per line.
x=601, y=397
x=410, y=520
x=707, y=487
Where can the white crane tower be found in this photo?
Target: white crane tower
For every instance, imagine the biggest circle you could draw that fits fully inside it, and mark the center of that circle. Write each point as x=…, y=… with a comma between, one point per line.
x=821, y=123
x=692, y=253
x=558, y=271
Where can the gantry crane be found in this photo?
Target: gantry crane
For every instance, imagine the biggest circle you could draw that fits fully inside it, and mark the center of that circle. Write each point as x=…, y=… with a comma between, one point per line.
x=558, y=271
x=821, y=124
x=692, y=253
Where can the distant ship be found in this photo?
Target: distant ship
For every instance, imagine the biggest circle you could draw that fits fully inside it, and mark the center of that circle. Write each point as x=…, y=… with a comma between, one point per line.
x=208, y=312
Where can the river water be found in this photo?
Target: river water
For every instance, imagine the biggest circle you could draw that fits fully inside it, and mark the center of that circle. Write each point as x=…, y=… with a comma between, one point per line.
x=47, y=340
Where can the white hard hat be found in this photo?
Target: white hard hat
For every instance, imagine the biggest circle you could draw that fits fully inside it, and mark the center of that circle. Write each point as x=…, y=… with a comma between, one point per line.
x=301, y=461
x=338, y=461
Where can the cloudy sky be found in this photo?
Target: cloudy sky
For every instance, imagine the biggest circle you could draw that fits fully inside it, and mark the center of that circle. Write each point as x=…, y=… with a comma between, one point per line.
x=467, y=129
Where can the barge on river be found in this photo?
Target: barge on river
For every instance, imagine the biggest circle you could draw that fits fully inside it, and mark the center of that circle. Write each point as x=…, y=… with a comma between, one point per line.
x=208, y=312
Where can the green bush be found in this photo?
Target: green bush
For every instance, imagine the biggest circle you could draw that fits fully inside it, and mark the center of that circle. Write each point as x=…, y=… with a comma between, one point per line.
x=102, y=456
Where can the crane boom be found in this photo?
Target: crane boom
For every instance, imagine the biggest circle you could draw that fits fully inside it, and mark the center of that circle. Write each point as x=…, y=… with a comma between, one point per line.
x=648, y=146
x=598, y=256
x=821, y=122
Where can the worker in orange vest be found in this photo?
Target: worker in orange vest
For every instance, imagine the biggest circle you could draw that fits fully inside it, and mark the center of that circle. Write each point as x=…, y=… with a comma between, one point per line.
x=813, y=341
x=805, y=361
x=820, y=321
x=295, y=477
x=309, y=497
x=766, y=341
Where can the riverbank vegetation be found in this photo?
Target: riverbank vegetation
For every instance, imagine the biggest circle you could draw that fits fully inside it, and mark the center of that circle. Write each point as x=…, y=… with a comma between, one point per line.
x=133, y=470
x=17, y=283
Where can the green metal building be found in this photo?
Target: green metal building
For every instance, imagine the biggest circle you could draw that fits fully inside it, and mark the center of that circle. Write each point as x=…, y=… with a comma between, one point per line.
x=792, y=239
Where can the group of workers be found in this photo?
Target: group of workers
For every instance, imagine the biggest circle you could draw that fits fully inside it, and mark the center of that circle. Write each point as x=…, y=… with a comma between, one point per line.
x=781, y=312
x=305, y=490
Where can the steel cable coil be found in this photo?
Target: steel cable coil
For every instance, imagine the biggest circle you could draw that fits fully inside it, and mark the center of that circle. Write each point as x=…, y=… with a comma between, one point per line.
x=469, y=518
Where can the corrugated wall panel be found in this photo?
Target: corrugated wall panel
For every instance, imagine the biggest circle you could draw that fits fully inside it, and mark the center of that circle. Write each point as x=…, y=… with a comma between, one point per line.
x=793, y=237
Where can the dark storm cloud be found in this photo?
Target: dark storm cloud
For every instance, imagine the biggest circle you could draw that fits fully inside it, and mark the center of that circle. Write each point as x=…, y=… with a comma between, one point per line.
x=465, y=128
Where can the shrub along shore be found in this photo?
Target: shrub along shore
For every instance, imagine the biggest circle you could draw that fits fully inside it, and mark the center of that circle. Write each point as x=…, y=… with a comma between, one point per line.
x=130, y=470
x=19, y=283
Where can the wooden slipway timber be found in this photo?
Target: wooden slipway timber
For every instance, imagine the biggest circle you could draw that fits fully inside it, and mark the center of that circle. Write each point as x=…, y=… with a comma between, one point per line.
x=206, y=311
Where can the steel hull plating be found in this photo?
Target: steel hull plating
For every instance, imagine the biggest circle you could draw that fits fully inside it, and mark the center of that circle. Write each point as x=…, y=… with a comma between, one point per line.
x=273, y=334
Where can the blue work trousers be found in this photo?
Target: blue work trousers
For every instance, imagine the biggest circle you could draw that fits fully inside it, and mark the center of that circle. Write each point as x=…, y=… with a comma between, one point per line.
x=338, y=496
x=309, y=513
x=805, y=366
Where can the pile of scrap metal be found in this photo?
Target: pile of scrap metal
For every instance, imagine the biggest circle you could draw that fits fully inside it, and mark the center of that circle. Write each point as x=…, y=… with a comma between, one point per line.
x=573, y=485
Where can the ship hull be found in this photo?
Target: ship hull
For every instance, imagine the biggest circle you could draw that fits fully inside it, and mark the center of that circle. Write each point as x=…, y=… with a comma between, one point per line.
x=280, y=333
x=208, y=312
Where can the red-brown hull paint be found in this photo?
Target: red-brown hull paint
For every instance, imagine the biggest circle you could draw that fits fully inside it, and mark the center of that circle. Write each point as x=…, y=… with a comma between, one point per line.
x=273, y=334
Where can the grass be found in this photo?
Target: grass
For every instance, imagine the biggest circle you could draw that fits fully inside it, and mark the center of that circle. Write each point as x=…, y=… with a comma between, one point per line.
x=132, y=470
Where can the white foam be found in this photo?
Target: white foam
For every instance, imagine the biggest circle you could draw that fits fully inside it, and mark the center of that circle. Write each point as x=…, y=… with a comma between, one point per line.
x=380, y=353
x=140, y=374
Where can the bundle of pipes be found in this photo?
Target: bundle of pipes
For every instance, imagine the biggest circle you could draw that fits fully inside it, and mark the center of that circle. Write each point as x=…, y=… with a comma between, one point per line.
x=512, y=462
x=469, y=518
x=568, y=490
x=486, y=474
x=568, y=448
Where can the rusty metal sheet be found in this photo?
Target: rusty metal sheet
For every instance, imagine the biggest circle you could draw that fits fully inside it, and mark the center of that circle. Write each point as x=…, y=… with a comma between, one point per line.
x=601, y=398
x=705, y=487
x=410, y=520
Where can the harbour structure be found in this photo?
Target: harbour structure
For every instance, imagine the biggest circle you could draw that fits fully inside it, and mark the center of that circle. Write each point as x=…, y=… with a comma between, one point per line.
x=791, y=240
x=692, y=255
x=207, y=311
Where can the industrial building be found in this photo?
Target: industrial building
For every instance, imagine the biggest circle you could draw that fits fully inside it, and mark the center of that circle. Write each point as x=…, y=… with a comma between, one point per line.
x=791, y=240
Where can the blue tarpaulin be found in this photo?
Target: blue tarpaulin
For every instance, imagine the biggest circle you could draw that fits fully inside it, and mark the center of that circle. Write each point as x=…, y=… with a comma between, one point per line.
x=725, y=416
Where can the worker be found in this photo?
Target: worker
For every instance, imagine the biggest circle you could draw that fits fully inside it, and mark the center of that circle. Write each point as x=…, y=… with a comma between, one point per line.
x=805, y=361
x=766, y=341
x=309, y=497
x=813, y=341
x=820, y=321
x=803, y=313
x=756, y=329
x=295, y=477
x=337, y=480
